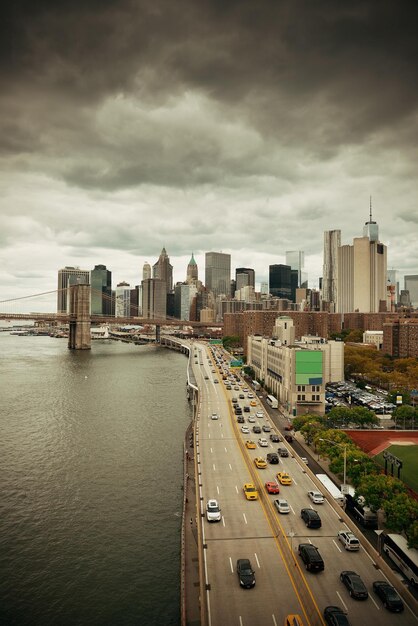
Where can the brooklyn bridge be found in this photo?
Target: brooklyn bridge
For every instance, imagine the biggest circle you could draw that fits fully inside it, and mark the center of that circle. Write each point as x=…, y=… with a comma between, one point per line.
x=79, y=319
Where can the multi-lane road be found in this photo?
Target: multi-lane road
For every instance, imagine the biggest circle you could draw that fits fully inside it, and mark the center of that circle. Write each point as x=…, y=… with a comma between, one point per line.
x=255, y=530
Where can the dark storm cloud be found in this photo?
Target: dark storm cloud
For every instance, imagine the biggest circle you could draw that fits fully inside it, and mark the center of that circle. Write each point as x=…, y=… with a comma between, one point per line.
x=307, y=75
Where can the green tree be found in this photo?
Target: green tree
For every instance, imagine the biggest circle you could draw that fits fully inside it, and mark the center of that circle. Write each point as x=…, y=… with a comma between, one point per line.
x=363, y=416
x=230, y=341
x=406, y=412
x=355, y=336
x=377, y=490
x=406, y=396
x=412, y=534
x=401, y=511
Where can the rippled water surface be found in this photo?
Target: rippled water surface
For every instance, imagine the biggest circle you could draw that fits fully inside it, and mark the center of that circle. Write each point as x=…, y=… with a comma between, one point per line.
x=91, y=482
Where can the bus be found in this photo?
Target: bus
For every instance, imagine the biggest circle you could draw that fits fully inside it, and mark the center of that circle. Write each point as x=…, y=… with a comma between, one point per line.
x=272, y=401
x=256, y=385
x=331, y=488
x=405, y=559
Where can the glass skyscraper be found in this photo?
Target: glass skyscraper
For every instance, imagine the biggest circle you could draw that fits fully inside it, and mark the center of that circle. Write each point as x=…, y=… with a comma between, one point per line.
x=218, y=273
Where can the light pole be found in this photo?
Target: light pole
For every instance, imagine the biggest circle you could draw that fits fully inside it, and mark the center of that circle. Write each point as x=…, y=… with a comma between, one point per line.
x=344, y=446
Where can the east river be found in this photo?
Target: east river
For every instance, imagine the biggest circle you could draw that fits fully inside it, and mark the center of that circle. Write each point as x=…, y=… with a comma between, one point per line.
x=91, y=477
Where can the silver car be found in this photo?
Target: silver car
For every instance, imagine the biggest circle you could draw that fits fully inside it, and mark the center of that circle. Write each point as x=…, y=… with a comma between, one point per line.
x=282, y=505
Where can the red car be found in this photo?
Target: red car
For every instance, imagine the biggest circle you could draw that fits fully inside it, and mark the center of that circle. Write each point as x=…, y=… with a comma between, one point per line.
x=272, y=487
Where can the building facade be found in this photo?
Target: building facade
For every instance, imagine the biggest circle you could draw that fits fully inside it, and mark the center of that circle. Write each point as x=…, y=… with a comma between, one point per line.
x=163, y=270
x=66, y=277
x=244, y=277
x=123, y=300
x=101, y=290
x=411, y=285
x=332, y=242
x=218, y=273
x=154, y=298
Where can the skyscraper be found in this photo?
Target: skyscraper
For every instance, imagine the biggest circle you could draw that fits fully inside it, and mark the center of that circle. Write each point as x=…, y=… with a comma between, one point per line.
x=66, y=277
x=362, y=274
x=244, y=277
x=411, y=285
x=101, y=290
x=192, y=271
x=218, y=273
x=280, y=281
x=154, y=298
x=146, y=271
x=332, y=241
x=122, y=300
x=163, y=270
x=296, y=260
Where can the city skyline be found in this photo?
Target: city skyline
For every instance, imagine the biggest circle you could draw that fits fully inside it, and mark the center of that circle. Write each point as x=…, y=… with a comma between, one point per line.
x=232, y=127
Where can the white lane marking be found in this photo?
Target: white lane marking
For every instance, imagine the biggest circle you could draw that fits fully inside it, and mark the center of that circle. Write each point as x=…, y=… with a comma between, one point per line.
x=374, y=602
x=230, y=467
x=214, y=468
x=236, y=488
x=217, y=489
x=209, y=436
x=240, y=620
x=223, y=520
x=369, y=557
x=245, y=519
x=256, y=558
x=211, y=451
x=294, y=481
x=336, y=545
x=232, y=567
x=226, y=450
x=222, y=435
x=274, y=620
x=342, y=601
x=291, y=508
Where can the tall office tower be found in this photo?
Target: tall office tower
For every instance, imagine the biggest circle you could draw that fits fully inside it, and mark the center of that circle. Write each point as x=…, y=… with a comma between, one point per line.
x=280, y=281
x=411, y=285
x=66, y=277
x=146, y=271
x=163, y=270
x=371, y=228
x=332, y=241
x=192, y=271
x=218, y=273
x=362, y=274
x=264, y=289
x=244, y=277
x=184, y=294
x=101, y=290
x=394, y=282
x=296, y=260
x=122, y=300
x=154, y=298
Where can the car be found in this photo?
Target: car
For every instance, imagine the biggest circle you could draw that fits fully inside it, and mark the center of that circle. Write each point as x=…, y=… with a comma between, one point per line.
x=245, y=430
x=288, y=438
x=259, y=414
x=246, y=409
x=356, y=587
x=273, y=458
x=228, y=387
x=253, y=403
x=349, y=540
x=251, y=445
x=388, y=595
x=236, y=388
x=275, y=437
x=241, y=419
x=284, y=478
x=234, y=400
x=316, y=497
x=260, y=462
x=241, y=396
x=311, y=518
x=310, y=556
x=214, y=416
x=334, y=616
x=250, y=395
x=251, y=419
x=257, y=429
x=272, y=487
x=288, y=427
x=215, y=380
x=266, y=428
x=245, y=389
x=238, y=410
x=213, y=371
x=304, y=460
x=246, y=575
x=250, y=491
x=263, y=443
x=213, y=511
x=283, y=452
x=206, y=377
x=282, y=505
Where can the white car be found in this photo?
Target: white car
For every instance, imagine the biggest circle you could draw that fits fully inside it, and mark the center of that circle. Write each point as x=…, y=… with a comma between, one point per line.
x=245, y=430
x=250, y=395
x=259, y=414
x=251, y=419
x=214, y=416
x=304, y=459
x=349, y=540
x=213, y=511
x=316, y=497
x=282, y=505
x=263, y=443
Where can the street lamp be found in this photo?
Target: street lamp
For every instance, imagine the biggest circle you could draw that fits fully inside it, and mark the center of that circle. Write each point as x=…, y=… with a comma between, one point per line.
x=344, y=446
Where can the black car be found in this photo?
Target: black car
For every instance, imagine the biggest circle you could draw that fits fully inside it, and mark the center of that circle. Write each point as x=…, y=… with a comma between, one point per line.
x=334, y=616
x=246, y=409
x=272, y=457
x=310, y=556
x=241, y=419
x=256, y=429
x=238, y=410
x=245, y=573
x=356, y=587
x=388, y=595
x=274, y=437
x=283, y=451
x=311, y=518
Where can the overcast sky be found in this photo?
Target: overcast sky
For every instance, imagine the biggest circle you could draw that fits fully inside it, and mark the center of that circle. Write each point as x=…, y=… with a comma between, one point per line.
x=247, y=126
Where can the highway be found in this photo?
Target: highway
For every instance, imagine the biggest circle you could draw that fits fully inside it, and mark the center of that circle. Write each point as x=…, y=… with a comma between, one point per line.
x=255, y=530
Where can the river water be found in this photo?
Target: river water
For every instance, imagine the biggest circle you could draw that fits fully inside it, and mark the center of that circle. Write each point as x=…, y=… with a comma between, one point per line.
x=91, y=483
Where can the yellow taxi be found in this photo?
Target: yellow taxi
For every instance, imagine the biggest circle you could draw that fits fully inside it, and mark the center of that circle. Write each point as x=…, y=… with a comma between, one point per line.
x=250, y=491
x=253, y=403
x=284, y=478
x=251, y=445
x=260, y=462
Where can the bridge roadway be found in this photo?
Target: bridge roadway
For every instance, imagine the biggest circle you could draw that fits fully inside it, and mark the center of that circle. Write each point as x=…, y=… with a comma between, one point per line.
x=254, y=530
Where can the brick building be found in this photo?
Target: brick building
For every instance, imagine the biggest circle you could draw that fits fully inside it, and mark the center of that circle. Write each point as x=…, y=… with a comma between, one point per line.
x=400, y=337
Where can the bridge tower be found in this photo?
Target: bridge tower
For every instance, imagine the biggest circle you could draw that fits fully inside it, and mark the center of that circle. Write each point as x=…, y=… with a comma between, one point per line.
x=79, y=337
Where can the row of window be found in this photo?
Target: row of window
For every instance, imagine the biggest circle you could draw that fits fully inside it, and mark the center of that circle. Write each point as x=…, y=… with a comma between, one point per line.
x=315, y=397
x=306, y=388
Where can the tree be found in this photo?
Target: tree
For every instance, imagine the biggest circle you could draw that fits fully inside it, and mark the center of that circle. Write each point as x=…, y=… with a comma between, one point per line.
x=412, y=534
x=378, y=490
x=401, y=512
x=355, y=336
x=363, y=416
x=406, y=412
x=231, y=341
